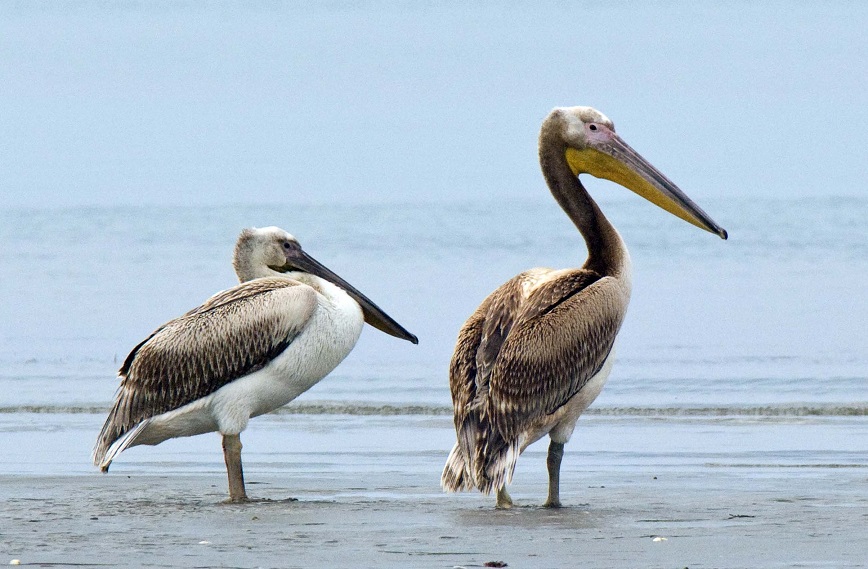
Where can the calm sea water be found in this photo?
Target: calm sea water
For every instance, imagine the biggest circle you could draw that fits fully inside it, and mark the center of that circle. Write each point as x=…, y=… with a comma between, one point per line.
x=748, y=354
x=772, y=317
x=767, y=327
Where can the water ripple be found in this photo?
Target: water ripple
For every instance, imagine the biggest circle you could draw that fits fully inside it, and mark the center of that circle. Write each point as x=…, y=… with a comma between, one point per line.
x=385, y=410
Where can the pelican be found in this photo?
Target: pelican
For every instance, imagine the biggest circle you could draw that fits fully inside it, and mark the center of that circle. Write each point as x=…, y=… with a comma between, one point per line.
x=537, y=351
x=246, y=351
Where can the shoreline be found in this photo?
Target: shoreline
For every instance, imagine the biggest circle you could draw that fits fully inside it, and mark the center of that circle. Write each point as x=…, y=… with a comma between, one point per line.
x=654, y=492
x=382, y=519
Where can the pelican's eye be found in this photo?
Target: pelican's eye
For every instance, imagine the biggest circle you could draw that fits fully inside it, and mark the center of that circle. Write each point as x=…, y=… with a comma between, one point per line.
x=286, y=245
x=592, y=127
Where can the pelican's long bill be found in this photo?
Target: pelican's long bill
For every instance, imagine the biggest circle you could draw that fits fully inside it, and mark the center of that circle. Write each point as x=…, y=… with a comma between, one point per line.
x=613, y=159
x=374, y=315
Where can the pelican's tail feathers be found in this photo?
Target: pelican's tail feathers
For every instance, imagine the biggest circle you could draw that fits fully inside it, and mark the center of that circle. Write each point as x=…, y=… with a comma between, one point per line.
x=107, y=448
x=495, y=470
x=456, y=474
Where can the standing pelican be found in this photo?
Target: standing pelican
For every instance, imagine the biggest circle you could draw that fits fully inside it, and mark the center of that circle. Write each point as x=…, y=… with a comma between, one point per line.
x=246, y=351
x=538, y=350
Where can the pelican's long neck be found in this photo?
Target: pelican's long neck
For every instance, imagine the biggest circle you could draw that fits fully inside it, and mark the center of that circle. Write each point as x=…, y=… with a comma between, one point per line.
x=607, y=253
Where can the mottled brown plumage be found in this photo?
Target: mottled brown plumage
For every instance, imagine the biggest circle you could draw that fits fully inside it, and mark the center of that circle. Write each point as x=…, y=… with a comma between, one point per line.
x=198, y=353
x=537, y=351
x=522, y=356
x=246, y=351
x=548, y=344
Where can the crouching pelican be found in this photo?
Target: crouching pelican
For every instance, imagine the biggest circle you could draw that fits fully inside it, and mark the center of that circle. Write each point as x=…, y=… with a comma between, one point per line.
x=246, y=351
x=538, y=350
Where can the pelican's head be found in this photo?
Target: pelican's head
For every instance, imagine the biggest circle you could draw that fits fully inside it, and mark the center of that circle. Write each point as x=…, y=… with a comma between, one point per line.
x=592, y=147
x=262, y=252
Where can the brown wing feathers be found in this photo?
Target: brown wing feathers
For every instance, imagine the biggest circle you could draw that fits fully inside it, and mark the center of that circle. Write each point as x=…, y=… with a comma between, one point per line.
x=232, y=335
x=548, y=359
x=519, y=359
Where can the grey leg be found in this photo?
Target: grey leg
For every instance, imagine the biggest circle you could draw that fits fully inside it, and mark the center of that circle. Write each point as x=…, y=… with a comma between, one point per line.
x=504, y=502
x=232, y=455
x=556, y=453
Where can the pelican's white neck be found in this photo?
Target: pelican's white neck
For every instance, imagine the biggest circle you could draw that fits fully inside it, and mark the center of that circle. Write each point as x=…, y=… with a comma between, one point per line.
x=328, y=289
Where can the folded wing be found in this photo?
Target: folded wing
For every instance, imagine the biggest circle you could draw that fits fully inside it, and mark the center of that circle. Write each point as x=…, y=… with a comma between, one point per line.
x=235, y=333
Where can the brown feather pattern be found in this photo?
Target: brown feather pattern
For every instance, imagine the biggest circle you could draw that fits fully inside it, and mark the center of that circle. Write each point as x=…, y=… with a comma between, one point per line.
x=521, y=357
x=233, y=334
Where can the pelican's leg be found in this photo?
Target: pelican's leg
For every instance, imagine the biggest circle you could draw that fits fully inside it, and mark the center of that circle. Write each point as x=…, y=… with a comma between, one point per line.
x=553, y=461
x=504, y=502
x=232, y=456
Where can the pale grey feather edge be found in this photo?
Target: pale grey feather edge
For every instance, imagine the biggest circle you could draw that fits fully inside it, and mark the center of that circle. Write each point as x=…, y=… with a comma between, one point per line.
x=119, y=445
x=186, y=358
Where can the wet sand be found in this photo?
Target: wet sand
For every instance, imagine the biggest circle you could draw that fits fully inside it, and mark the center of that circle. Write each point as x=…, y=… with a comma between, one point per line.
x=354, y=507
x=637, y=521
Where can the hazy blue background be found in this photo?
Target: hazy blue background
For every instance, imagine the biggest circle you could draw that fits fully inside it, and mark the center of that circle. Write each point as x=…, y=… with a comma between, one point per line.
x=398, y=141
x=352, y=101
